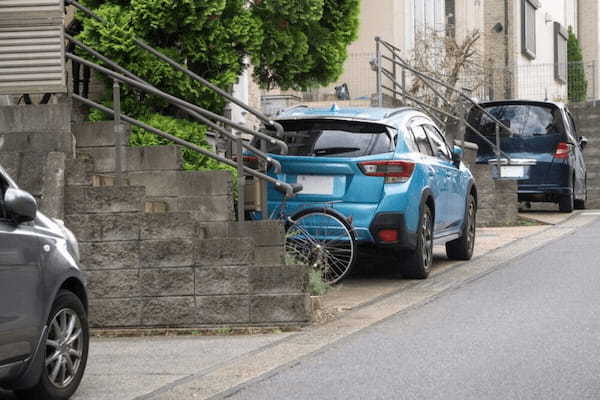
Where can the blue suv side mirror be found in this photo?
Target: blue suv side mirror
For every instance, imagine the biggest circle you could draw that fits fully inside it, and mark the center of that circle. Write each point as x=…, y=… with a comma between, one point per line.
x=457, y=155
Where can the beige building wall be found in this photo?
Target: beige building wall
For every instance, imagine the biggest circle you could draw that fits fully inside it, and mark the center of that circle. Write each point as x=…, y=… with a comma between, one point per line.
x=589, y=36
x=515, y=74
x=383, y=18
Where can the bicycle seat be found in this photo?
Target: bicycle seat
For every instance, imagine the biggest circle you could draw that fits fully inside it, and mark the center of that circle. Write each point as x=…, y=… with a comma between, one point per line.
x=296, y=187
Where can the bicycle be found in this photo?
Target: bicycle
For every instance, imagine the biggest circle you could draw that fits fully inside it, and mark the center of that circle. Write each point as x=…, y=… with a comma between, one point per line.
x=321, y=237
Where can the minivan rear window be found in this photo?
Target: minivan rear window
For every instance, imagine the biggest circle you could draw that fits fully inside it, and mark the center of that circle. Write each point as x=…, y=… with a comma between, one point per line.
x=333, y=138
x=523, y=119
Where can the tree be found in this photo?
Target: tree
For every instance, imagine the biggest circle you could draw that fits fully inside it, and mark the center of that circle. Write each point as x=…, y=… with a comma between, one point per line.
x=455, y=62
x=210, y=37
x=292, y=44
x=576, y=72
x=305, y=41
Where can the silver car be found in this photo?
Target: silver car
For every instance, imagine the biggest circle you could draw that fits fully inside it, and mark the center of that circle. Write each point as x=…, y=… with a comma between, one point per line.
x=44, y=334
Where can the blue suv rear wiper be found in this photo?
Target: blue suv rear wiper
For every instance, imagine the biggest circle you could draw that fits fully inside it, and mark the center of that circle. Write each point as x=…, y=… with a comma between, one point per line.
x=335, y=150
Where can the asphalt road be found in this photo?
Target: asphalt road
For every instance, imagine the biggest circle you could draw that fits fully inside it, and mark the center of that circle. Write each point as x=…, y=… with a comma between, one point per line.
x=528, y=330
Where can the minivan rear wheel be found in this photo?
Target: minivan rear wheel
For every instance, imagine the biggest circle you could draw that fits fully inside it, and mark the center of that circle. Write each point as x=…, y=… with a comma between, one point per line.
x=566, y=203
x=65, y=351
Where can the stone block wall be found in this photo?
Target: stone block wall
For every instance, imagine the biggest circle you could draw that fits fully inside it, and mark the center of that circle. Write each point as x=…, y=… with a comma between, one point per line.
x=497, y=200
x=35, y=141
x=587, y=119
x=163, y=250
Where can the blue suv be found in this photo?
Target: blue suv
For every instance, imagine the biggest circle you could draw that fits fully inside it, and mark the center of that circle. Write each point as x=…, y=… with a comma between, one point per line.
x=389, y=172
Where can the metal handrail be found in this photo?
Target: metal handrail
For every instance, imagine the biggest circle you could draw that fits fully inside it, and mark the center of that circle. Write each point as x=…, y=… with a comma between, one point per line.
x=449, y=87
x=282, y=145
x=396, y=60
x=289, y=189
x=268, y=121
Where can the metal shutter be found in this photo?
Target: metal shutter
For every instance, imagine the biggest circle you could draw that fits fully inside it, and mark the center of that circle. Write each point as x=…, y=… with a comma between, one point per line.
x=32, y=47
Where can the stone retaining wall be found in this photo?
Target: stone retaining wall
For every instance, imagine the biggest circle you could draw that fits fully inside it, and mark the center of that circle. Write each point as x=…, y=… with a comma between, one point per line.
x=162, y=251
x=587, y=119
x=497, y=200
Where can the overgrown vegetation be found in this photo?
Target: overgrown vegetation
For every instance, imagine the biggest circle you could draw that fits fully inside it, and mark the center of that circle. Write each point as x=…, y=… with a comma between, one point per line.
x=317, y=286
x=456, y=62
x=576, y=73
x=291, y=43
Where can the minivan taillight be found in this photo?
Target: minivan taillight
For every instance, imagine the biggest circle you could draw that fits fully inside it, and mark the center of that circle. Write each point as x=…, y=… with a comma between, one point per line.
x=562, y=150
x=393, y=171
x=249, y=161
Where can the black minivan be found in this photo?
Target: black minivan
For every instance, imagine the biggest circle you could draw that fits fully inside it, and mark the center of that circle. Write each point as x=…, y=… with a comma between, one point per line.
x=44, y=332
x=542, y=131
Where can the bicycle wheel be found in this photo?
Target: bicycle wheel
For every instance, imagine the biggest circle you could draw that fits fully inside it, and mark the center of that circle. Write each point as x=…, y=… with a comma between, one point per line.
x=324, y=240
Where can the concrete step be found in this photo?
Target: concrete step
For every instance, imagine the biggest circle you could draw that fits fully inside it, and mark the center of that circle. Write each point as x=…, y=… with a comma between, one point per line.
x=51, y=118
x=149, y=158
x=107, y=199
x=217, y=208
x=183, y=183
x=170, y=225
x=79, y=171
x=97, y=134
x=156, y=207
x=105, y=227
x=36, y=142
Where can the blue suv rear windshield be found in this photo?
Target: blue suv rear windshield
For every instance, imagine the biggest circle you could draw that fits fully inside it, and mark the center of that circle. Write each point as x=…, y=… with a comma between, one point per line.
x=333, y=138
x=523, y=119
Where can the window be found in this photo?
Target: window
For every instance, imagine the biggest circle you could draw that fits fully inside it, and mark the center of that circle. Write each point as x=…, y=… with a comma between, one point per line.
x=427, y=15
x=440, y=149
x=421, y=140
x=560, y=52
x=528, y=39
x=330, y=138
x=572, y=123
x=523, y=119
x=409, y=139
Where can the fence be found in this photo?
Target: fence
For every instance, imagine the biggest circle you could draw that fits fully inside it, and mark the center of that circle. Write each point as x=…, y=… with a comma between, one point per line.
x=534, y=82
x=569, y=83
x=358, y=77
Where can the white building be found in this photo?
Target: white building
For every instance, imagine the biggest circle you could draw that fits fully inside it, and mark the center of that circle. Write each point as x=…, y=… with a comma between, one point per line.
x=523, y=44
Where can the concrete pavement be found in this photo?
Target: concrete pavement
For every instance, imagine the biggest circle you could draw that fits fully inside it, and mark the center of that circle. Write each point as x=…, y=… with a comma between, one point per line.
x=525, y=330
x=203, y=367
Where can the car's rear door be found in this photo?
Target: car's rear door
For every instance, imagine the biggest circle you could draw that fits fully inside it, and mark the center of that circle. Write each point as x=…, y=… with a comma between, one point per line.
x=437, y=173
x=20, y=288
x=455, y=187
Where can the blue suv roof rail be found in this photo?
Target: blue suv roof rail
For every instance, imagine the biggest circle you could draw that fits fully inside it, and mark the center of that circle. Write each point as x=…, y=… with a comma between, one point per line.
x=397, y=111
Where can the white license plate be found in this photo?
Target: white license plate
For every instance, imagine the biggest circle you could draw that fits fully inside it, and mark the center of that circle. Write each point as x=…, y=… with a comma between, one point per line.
x=512, y=171
x=316, y=184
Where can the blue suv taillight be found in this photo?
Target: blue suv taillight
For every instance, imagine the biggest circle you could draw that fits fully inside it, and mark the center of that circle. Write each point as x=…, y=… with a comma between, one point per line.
x=394, y=171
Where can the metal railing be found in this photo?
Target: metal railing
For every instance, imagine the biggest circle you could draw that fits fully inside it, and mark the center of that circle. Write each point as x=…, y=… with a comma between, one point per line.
x=393, y=69
x=205, y=117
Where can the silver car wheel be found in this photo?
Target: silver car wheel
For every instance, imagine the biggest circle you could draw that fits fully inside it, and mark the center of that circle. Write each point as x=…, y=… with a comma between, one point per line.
x=64, y=348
